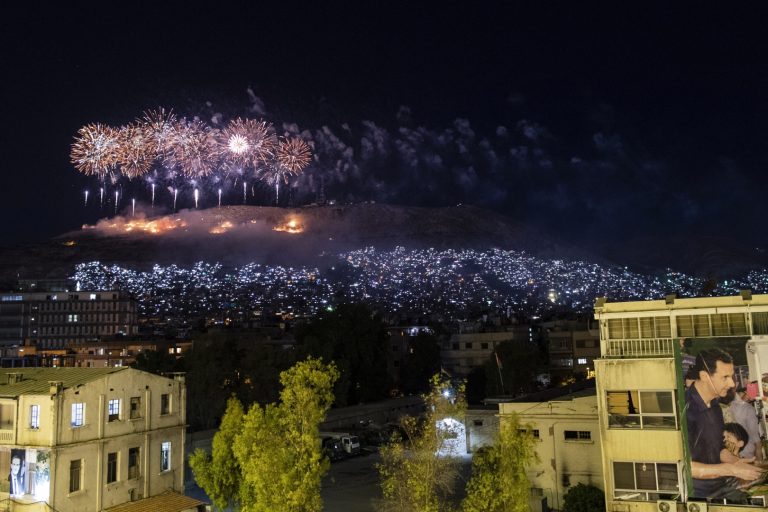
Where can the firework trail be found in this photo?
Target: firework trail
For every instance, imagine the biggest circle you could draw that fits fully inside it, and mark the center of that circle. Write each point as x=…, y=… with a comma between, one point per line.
x=86, y=198
x=101, y=197
x=219, y=198
x=175, y=195
x=153, y=195
x=133, y=207
x=117, y=196
x=245, y=191
x=197, y=197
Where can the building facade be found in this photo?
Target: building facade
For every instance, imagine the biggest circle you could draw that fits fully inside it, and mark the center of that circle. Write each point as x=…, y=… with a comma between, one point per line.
x=79, y=440
x=567, y=439
x=53, y=320
x=647, y=349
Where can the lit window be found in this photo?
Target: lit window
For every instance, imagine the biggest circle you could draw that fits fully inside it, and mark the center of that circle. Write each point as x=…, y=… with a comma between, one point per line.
x=641, y=409
x=647, y=481
x=34, y=416
x=113, y=409
x=78, y=415
x=111, y=467
x=75, y=474
x=92, y=296
x=165, y=456
x=582, y=360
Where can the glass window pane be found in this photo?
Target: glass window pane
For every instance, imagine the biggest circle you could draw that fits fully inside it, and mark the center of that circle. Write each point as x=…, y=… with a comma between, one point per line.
x=615, y=330
x=659, y=422
x=656, y=402
x=684, y=326
x=667, y=477
x=623, y=409
x=663, y=329
x=623, y=475
x=701, y=325
x=646, y=327
x=645, y=472
x=738, y=323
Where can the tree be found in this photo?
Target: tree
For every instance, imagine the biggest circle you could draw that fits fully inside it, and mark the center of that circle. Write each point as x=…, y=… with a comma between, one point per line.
x=219, y=473
x=583, y=498
x=356, y=340
x=274, y=450
x=416, y=475
x=420, y=363
x=499, y=482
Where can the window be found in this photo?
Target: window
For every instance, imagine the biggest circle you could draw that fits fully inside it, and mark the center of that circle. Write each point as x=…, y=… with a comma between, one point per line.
x=641, y=409
x=478, y=423
x=578, y=435
x=455, y=346
x=133, y=463
x=34, y=416
x=468, y=344
x=534, y=432
x=75, y=474
x=72, y=318
x=165, y=456
x=111, y=467
x=114, y=409
x=165, y=403
x=135, y=407
x=484, y=346
x=582, y=360
x=78, y=415
x=645, y=481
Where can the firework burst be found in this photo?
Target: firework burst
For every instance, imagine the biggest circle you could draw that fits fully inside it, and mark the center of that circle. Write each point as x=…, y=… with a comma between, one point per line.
x=159, y=124
x=95, y=150
x=248, y=143
x=193, y=149
x=293, y=156
x=136, y=152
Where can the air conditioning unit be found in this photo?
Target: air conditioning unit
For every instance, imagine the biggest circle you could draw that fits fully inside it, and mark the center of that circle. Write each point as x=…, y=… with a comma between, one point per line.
x=666, y=506
x=696, y=506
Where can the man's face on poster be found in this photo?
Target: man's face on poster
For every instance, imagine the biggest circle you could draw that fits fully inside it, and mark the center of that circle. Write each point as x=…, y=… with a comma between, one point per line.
x=721, y=379
x=15, y=465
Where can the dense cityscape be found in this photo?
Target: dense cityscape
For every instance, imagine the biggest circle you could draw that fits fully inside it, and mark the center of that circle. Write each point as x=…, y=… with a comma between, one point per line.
x=414, y=282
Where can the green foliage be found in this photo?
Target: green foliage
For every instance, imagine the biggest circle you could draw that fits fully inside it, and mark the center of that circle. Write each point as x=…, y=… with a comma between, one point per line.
x=275, y=450
x=356, y=340
x=414, y=477
x=219, y=473
x=157, y=362
x=584, y=498
x=499, y=482
x=227, y=362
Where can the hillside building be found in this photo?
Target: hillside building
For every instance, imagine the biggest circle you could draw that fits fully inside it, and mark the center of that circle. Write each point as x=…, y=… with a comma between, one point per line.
x=80, y=440
x=645, y=409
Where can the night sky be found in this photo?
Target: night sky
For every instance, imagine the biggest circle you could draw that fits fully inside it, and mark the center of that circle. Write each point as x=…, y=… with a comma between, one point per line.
x=596, y=125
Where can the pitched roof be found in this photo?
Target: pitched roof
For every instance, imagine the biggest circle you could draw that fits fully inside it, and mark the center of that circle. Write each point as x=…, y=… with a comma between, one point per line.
x=36, y=381
x=169, y=501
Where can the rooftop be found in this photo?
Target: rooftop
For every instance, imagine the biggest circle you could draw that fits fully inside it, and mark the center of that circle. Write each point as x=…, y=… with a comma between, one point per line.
x=35, y=381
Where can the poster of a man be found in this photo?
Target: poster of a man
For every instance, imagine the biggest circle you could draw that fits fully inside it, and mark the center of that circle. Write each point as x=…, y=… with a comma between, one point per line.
x=717, y=473
x=17, y=475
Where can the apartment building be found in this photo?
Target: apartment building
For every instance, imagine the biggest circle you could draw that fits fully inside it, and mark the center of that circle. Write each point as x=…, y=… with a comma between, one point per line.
x=53, y=320
x=645, y=409
x=567, y=437
x=89, y=439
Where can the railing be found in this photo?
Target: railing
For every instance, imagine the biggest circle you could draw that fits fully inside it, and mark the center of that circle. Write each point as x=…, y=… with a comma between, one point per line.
x=7, y=435
x=653, y=347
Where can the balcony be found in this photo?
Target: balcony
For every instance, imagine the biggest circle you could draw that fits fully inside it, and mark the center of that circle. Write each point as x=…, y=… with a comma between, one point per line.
x=632, y=348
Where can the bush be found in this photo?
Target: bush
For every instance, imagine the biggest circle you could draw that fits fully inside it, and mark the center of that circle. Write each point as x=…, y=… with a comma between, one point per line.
x=584, y=498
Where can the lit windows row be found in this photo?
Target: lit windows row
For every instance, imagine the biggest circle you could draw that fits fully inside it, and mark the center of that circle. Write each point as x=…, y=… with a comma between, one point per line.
x=114, y=409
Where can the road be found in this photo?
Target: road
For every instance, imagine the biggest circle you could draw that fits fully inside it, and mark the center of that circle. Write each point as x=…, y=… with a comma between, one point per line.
x=352, y=485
